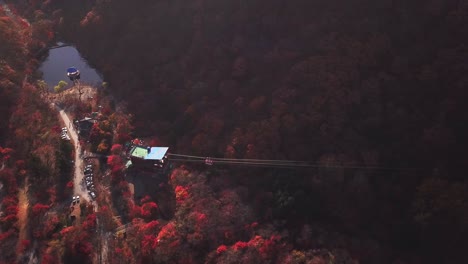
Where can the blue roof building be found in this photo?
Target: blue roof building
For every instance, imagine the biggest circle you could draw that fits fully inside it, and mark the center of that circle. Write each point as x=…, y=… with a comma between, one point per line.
x=149, y=157
x=156, y=153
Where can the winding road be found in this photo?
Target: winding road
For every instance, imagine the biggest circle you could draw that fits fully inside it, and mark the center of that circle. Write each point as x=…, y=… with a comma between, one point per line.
x=78, y=187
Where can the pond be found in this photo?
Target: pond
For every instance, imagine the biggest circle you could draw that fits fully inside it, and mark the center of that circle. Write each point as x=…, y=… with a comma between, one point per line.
x=54, y=68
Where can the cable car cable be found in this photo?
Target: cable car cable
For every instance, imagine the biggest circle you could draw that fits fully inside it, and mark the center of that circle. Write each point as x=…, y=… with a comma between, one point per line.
x=290, y=165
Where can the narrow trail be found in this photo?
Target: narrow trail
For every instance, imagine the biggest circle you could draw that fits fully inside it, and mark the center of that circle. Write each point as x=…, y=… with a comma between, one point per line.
x=23, y=205
x=104, y=247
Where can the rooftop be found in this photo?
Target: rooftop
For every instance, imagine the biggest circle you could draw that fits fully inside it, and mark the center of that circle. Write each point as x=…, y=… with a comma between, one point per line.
x=139, y=152
x=155, y=153
x=72, y=70
x=87, y=119
x=128, y=164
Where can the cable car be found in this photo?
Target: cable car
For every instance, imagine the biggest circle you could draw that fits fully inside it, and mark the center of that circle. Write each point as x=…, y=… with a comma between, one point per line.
x=73, y=73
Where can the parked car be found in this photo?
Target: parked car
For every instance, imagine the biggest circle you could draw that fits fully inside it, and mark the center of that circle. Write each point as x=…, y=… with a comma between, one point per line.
x=76, y=200
x=92, y=194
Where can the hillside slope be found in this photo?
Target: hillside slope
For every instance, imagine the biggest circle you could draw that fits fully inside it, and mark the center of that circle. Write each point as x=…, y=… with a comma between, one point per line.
x=334, y=82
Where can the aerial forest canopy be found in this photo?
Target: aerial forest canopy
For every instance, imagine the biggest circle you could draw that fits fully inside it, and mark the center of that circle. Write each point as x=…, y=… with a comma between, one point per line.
x=345, y=83
x=340, y=80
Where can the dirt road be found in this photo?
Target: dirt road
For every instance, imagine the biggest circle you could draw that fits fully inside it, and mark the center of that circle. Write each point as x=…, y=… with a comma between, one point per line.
x=78, y=187
x=23, y=204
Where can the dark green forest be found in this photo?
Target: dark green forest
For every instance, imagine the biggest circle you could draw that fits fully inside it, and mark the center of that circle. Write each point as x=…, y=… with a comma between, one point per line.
x=349, y=83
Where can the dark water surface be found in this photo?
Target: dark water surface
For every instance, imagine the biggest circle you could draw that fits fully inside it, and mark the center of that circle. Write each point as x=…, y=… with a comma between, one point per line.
x=54, y=68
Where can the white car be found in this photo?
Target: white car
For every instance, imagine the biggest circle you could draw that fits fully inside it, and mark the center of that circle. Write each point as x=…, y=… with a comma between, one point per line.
x=76, y=200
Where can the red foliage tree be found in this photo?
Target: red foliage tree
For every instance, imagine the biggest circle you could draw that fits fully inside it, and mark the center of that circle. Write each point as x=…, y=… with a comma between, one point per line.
x=221, y=249
x=6, y=235
x=240, y=245
x=90, y=222
x=168, y=232
x=24, y=245
x=39, y=208
x=116, y=149
x=49, y=259
x=148, y=243
x=181, y=193
x=70, y=185
x=5, y=154
x=115, y=163
x=20, y=164
x=145, y=199
x=149, y=210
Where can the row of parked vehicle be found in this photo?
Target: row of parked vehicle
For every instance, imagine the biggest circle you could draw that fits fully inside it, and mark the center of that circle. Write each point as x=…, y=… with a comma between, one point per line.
x=89, y=180
x=65, y=134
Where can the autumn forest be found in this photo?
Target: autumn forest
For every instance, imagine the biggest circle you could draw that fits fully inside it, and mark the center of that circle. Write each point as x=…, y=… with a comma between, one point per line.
x=370, y=94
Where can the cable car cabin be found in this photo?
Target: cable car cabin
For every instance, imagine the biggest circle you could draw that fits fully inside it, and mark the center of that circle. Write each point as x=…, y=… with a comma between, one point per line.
x=73, y=73
x=153, y=158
